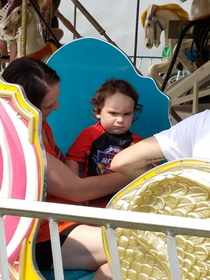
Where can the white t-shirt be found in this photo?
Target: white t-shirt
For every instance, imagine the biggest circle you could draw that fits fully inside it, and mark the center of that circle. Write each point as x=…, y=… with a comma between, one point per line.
x=189, y=138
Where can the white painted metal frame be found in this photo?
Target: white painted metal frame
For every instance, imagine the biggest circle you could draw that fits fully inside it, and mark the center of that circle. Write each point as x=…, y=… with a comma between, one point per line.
x=177, y=92
x=102, y=217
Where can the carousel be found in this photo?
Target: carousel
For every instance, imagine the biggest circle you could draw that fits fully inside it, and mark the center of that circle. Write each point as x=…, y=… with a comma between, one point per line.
x=155, y=227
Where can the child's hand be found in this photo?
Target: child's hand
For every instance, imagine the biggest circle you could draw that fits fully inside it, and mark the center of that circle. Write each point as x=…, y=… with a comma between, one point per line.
x=87, y=153
x=85, y=203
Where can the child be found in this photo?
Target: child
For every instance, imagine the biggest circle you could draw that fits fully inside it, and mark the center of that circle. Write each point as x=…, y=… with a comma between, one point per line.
x=115, y=103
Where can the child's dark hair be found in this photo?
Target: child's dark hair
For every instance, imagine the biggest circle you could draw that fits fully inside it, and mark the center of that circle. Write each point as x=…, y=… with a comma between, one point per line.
x=109, y=88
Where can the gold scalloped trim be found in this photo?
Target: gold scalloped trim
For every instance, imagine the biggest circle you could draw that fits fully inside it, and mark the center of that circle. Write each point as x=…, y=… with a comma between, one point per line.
x=179, y=190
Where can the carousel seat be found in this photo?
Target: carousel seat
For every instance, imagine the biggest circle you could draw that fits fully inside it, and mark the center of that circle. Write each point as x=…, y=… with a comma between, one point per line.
x=22, y=168
x=83, y=65
x=88, y=63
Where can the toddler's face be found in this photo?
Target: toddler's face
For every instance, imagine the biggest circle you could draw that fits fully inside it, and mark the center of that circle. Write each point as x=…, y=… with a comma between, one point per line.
x=116, y=116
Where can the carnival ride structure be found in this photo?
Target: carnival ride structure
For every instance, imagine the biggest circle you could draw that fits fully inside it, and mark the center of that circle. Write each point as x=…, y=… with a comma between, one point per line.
x=142, y=244
x=97, y=62
x=149, y=244
x=179, y=188
x=193, y=95
x=155, y=20
x=190, y=94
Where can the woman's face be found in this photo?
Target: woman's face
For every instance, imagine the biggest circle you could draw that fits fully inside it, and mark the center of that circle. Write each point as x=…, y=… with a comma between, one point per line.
x=50, y=101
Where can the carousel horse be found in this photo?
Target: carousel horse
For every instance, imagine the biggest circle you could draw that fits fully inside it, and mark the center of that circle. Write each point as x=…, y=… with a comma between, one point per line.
x=155, y=20
x=10, y=29
x=199, y=9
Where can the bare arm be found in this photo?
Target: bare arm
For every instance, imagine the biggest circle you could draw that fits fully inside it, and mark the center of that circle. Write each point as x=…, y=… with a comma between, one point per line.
x=132, y=161
x=73, y=165
x=62, y=182
x=76, y=167
x=68, y=24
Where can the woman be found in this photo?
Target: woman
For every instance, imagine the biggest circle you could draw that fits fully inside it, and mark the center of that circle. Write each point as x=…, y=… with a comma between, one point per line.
x=82, y=246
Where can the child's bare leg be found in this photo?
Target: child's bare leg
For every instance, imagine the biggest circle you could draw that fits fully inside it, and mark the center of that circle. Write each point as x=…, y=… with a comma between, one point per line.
x=13, y=50
x=58, y=33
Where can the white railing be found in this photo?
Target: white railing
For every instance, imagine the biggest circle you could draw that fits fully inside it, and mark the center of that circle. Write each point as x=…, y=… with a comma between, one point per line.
x=144, y=62
x=109, y=218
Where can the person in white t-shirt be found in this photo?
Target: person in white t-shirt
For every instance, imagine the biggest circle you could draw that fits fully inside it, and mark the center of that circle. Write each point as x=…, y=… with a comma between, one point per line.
x=188, y=139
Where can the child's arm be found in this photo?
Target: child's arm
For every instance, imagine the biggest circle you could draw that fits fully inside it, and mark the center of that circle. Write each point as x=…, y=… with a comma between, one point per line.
x=77, y=153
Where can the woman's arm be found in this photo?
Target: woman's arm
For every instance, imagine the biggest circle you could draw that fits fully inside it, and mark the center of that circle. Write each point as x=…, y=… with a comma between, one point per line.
x=64, y=183
x=78, y=152
x=76, y=166
x=133, y=160
x=73, y=165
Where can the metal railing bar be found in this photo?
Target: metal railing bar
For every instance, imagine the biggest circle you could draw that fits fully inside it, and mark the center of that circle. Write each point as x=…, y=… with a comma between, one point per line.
x=4, y=269
x=173, y=256
x=113, y=251
x=102, y=217
x=146, y=56
x=56, y=250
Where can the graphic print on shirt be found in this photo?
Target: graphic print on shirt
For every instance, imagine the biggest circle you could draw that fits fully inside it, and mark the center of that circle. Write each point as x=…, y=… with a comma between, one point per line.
x=103, y=159
x=104, y=148
x=97, y=141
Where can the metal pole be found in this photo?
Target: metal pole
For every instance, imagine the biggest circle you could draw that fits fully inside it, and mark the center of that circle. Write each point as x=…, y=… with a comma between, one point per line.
x=23, y=28
x=92, y=20
x=75, y=18
x=136, y=33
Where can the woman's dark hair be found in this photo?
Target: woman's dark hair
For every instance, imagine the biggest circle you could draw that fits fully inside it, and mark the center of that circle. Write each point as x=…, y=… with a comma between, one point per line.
x=109, y=88
x=33, y=75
